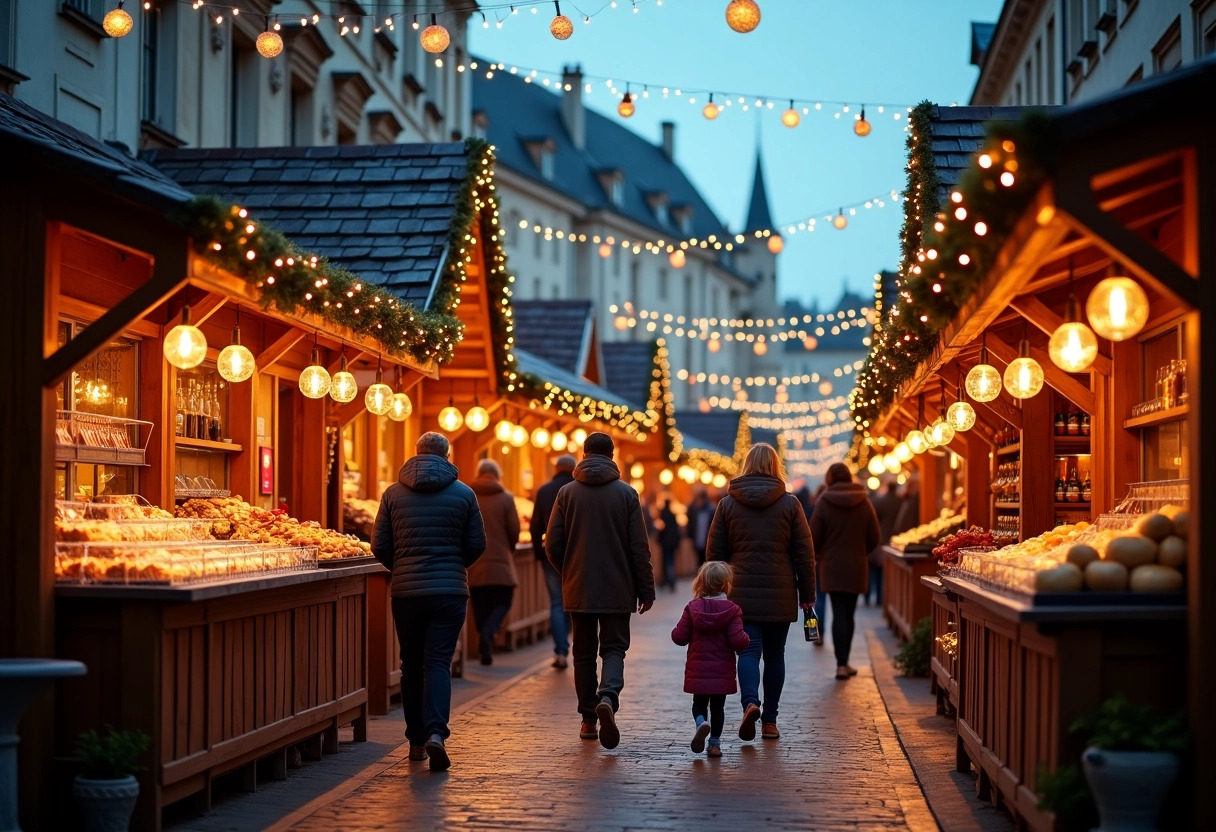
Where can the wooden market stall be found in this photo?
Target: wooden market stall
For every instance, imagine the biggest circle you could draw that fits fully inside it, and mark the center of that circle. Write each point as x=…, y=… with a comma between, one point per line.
x=1053, y=207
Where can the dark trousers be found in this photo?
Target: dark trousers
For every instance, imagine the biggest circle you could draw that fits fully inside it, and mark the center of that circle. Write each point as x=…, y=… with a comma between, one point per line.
x=669, y=568
x=608, y=635
x=490, y=607
x=844, y=607
x=700, y=555
x=767, y=641
x=875, y=587
x=428, y=628
x=711, y=706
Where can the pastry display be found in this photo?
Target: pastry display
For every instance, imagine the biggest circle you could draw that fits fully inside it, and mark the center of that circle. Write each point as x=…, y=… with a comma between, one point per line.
x=929, y=533
x=359, y=516
x=186, y=563
x=234, y=519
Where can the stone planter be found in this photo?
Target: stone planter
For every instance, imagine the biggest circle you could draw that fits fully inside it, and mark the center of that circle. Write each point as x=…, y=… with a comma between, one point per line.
x=106, y=804
x=1129, y=787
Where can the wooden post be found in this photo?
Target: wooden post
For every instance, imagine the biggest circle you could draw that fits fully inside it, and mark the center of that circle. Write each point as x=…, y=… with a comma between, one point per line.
x=312, y=452
x=1037, y=486
x=928, y=487
x=976, y=485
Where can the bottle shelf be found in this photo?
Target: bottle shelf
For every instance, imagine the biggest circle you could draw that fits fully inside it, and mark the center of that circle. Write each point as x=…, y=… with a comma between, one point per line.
x=1161, y=417
x=1079, y=506
x=208, y=445
x=1005, y=504
x=1067, y=445
x=1009, y=450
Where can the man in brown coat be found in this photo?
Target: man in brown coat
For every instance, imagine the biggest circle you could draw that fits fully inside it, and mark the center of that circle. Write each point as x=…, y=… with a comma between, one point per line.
x=492, y=579
x=597, y=541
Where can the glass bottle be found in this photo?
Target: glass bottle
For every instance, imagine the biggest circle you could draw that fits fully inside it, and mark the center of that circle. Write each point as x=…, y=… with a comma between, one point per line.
x=1060, y=423
x=179, y=415
x=1073, y=493
x=190, y=409
x=1087, y=490
x=1180, y=385
x=1059, y=489
x=1074, y=423
x=217, y=423
x=196, y=408
x=1085, y=424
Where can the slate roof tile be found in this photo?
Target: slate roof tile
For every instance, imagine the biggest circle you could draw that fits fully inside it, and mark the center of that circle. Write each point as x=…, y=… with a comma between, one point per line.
x=628, y=369
x=554, y=330
x=958, y=132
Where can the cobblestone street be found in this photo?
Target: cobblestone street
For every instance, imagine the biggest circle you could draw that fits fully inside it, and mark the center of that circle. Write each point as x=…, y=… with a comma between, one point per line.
x=518, y=762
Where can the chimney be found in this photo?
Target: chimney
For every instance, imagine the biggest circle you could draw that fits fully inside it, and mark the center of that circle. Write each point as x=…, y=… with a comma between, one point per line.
x=573, y=115
x=669, y=140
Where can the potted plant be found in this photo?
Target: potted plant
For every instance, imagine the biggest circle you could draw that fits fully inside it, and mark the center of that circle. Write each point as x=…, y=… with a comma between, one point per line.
x=107, y=788
x=1130, y=762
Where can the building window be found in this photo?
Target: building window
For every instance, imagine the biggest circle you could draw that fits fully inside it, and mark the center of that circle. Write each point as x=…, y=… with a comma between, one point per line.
x=301, y=113
x=1051, y=61
x=1038, y=70
x=1138, y=75
x=546, y=164
x=1205, y=29
x=1167, y=54
x=1031, y=92
x=617, y=256
x=243, y=113
x=618, y=191
x=660, y=212
x=151, y=70
x=556, y=246
x=635, y=282
x=536, y=250
x=7, y=31
x=537, y=283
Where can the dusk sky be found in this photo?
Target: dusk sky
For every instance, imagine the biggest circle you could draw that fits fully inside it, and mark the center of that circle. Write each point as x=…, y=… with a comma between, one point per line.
x=891, y=52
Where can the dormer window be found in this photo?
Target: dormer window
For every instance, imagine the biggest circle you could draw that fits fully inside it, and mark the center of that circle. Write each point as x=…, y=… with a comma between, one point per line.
x=683, y=218
x=659, y=206
x=617, y=192
x=613, y=183
x=542, y=151
x=660, y=213
x=546, y=164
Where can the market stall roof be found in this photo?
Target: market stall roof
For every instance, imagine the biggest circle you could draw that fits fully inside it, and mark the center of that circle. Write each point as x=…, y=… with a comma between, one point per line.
x=714, y=431
x=558, y=331
x=958, y=132
x=527, y=362
x=65, y=147
x=383, y=211
x=629, y=369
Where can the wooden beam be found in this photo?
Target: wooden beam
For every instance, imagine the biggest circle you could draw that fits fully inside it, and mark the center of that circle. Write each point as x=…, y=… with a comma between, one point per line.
x=1037, y=313
x=1064, y=384
x=275, y=352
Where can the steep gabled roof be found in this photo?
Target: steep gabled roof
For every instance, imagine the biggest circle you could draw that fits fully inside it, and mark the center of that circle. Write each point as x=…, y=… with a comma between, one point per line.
x=382, y=211
x=537, y=366
x=558, y=331
x=759, y=217
x=958, y=132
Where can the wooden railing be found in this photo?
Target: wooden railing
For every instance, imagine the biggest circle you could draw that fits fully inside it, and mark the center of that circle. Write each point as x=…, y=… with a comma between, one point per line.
x=906, y=599
x=943, y=662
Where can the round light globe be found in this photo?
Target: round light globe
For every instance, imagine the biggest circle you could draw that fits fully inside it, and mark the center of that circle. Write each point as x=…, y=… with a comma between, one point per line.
x=983, y=383
x=1117, y=308
x=961, y=416
x=1023, y=378
x=400, y=407
x=1073, y=347
x=378, y=398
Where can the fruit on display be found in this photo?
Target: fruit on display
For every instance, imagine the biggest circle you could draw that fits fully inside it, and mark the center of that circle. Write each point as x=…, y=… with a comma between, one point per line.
x=1081, y=554
x=1132, y=550
x=972, y=538
x=1065, y=577
x=929, y=532
x=1153, y=577
x=1106, y=576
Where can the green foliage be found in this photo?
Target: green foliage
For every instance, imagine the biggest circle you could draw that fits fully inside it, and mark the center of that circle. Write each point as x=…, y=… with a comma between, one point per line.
x=1065, y=793
x=1118, y=725
x=913, y=657
x=112, y=755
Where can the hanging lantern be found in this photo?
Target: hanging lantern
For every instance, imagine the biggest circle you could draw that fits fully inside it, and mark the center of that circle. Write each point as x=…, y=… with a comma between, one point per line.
x=892, y=464
x=117, y=22
x=707, y=477
x=666, y=477
x=315, y=380
x=1073, y=346
x=862, y=127
x=434, y=38
x=719, y=481
x=236, y=362
x=185, y=346
x=477, y=418
x=676, y=258
x=916, y=442
x=1117, y=308
x=759, y=348
x=930, y=434
x=742, y=15
x=343, y=387
x=711, y=109
x=579, y=437
x=840, y=221
x=983, y=380
x=561, y=27
x=961, y=416
x=688, y=474
x=379, y=397
x=775, y=244
x=559, y=441
x=502, y=431
x=1023, y=377
x=902, y=452
x=450, y=418
x=943, y=430
x=790, y=117
x=540, y=438
x=637, y=470
x=605, y=250
x=626, y=108
x=400, y=407
x=269, y=44
x=877, y=465
x=519, y=436
x=715, y=344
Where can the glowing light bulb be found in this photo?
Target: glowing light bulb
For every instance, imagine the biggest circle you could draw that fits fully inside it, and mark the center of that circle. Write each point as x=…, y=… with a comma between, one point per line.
x=579, y=437
x=519, y=436
x=666, y=477
x=676, y=258
x=559, y=441
x=877, y=465
x=434, y=38
x=235, y=362
x=379, y=397
x=790, y=118
x=185, y=345
x=742, y=15
x=117, y=23
x=315, y=380
x=775, y=244
x=450, y=418
x=902, y=452
x=983, y=382
x=840, y=222
x=961, y=416
x=477, y=418
x=269, y=44
x=916, y=441
x=1073, y=347
x=502, y=431
x=626, y=107
x=1117, y=308
x=1023, y=377
x=400, y=407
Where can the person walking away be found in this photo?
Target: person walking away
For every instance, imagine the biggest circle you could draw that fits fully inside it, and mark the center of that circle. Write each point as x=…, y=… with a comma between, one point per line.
x=712, y=628
x=886, y=504
x=559, y=622
x=760, y=530
x=428, y=533
x=596, y=540
x=908, y=516
x=492, y=579
x=844, y=528
x=669, y=543
x=700, y=517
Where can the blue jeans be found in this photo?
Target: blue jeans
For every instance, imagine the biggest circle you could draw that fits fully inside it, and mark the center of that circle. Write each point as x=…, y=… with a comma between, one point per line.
x=821, y=602
x=559, y=622
x=428, y=628
x=768, y=640
x=875, y=586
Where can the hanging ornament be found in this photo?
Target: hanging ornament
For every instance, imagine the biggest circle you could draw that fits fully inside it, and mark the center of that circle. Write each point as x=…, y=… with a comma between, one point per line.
x=916, y=442
x=961, y=414
x=626, y=108
x=269, y=44
x=502, y=431
x=450, y=418
x=540, y=438
x=1073, y=346
x=775, y=244
x=236, y=362
x=185, y=346
x=1023, y=376
x=343, y=387
x=379, y=397
x=742, y=15
x=862, y=127
x=559, y=441
x=477, y=418
x=315, y=380
x=519, y=436
x=1117, y=308
x=677, y=258
x=666, y=476
x=117, y=22
x=877, y=465
x=983, y=380
x=790, y=117
x=840, y=221
x=434, y=38
x=561, y=27
x=711, y=109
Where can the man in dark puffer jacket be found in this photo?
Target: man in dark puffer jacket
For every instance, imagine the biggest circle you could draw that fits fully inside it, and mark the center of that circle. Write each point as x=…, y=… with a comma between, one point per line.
x=428, y=532
x=597, y=540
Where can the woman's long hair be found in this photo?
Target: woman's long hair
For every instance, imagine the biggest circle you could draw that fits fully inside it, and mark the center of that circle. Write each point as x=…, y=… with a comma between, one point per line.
x=763, y=459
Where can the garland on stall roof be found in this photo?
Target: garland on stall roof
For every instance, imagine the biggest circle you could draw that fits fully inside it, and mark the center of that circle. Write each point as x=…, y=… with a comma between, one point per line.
x=946, y=259
x=662, y=402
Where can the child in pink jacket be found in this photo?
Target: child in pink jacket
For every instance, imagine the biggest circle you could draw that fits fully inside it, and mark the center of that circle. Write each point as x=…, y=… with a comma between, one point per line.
x=712, y=627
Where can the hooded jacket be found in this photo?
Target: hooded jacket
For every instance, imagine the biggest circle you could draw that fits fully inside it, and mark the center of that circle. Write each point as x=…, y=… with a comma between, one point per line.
x=546, y=496
x=760, y=530
x=497, y=566
x=596, y=540
x=428, y=530
x=713, y=630
x=845, y=530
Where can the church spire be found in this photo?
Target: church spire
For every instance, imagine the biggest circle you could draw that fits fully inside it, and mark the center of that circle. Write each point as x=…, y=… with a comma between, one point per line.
x=758, y=216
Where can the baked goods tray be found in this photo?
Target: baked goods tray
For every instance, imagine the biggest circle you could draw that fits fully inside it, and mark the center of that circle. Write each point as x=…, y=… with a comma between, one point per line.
x=175, y=564
x=342, y=563
x=200, y=493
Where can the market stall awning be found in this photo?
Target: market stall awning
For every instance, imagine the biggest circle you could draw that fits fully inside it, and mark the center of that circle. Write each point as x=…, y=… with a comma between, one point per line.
x=539, y=367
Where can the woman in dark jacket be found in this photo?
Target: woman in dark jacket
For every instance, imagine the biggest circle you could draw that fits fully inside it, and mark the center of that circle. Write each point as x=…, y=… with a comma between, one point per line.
x=844, y=528
x=669, y=542
x=761, y=531
x=492, y=579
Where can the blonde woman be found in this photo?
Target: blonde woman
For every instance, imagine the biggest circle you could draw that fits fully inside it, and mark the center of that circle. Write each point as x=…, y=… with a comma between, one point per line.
x=761, y=531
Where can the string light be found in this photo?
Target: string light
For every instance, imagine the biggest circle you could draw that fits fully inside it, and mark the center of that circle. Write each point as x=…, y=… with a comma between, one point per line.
x=117, y=23
x=840, y=222
x=434, y=38
x=711, y=109
x=379, y=397
x=343, y=387
x=1023, y=376
x=626, y=108
x=315, y=380
x=235, y=363
x=790, y=117
x=862, y=127
x=1073, y=346
x=269, y=43
x=1117, y=308
x=561, y=27
x=742, y=15
x=185, y=345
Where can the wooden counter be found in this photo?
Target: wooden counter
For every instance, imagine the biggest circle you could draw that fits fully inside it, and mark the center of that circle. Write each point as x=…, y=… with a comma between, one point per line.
x=943, y=663
x=1025, y=673
x=905, y=598
x=220, y=676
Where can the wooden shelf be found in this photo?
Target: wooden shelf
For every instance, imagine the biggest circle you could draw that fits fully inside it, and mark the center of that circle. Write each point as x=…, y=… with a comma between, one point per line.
x=1077, y=506
x=1067, y=445
x=1173, y=414
x=207, y=445
x=1009, y=449
x=1017, y=506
